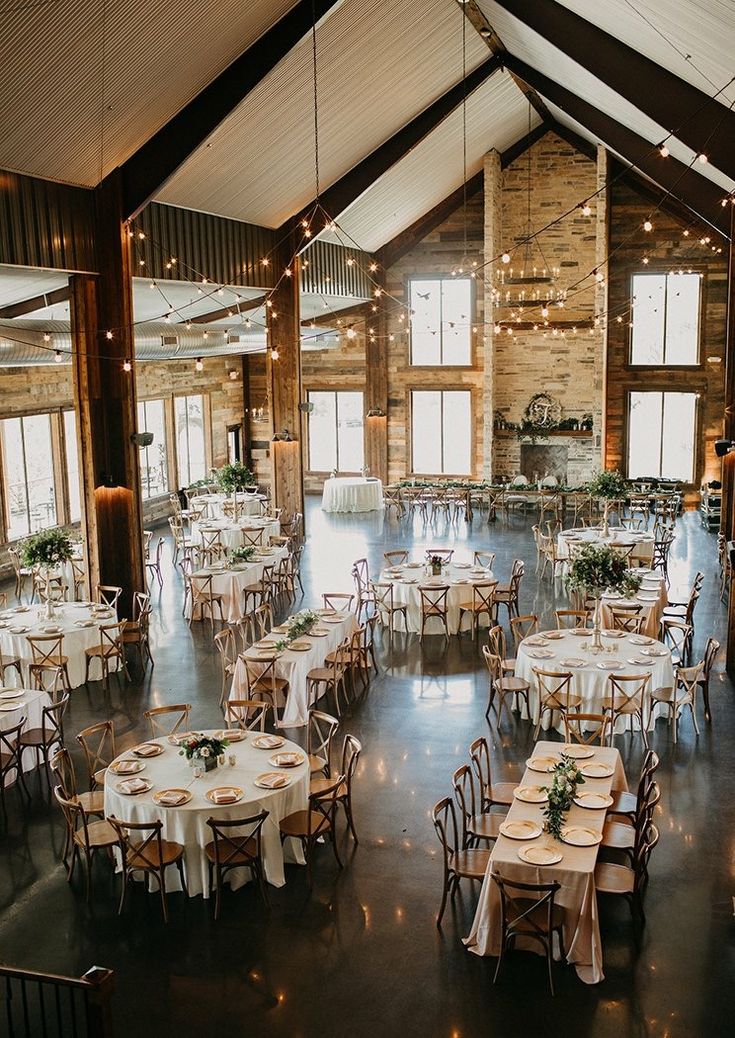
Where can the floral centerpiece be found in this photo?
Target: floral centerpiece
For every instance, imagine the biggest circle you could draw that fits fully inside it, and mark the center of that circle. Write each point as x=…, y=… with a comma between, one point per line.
x=595, y=569
x=47, y=549
x=234, y=477
x=436, y=562
x=296, y=627
x=610, y=486
x=203, y=750
x=561, y=793
x=240, y=555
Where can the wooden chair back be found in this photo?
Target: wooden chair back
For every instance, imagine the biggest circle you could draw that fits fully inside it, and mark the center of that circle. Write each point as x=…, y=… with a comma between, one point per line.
x=247, y=714
x=522, y=627
x=233, y=835
x=338, y=600
x=108, y=594
x=98, y=746
x=167, y=720
x=320, y=733
x=586, y=728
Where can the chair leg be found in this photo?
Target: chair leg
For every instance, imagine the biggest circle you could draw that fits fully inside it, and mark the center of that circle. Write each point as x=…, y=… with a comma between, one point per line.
x=443, y=905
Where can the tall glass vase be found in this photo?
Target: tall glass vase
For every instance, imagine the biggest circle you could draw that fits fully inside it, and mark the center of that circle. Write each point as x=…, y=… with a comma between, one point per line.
x=596, y=644
x=605, y=519
x=49, y=599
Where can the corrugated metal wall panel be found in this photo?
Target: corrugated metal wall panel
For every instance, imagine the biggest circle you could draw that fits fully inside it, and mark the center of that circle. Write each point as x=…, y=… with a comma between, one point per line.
x=43, y=224
x=157, y=57
x=380, y=64
x=329, y=274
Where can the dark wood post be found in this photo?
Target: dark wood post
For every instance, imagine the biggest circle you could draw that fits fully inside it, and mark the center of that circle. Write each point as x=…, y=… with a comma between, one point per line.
x=727, y=519
x=376, y=393
x=105, y=401
x=284, y=382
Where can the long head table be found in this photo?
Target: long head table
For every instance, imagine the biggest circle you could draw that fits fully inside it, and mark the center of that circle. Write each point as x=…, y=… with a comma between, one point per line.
x=575, y=872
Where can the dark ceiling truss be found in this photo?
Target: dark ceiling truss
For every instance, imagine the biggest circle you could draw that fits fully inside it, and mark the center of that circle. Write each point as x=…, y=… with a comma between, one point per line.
x=345, y=191
x=29, y=306
x=702, y=197
x=690, y=114
x=153, y=164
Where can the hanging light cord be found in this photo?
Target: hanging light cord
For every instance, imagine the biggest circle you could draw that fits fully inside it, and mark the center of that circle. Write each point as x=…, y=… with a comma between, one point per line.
x=464, y=134
x=316, y=99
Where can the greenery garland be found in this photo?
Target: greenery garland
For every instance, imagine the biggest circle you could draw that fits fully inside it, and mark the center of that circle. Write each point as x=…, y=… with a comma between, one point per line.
x=561, y=793
x=243, y=554
x=297, y=626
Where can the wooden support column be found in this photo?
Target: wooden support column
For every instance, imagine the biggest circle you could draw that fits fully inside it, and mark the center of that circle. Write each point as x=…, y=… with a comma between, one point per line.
x=105, y=402
x=727, y=518
x=493, y=186
x=285, y=391
x=247, y=452
x=376, y=393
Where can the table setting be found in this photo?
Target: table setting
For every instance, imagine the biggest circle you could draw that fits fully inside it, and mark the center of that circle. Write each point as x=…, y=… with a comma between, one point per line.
x=231, y=533
x=641, y=540
x=572, y=651
x=212, y=505
x=186, y=778
x=231, y=577
x=79, y=622
x=651, y=597
x=409, y=577
x=295, y=658
x=551, y=836
x=22, y=702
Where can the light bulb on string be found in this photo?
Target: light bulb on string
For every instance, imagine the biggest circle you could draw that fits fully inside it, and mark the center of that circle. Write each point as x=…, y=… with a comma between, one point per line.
x=663, y=150
x=188, y=326
x=373, y=267
x=647, y=225
x=46, y=337
x=274, y=354
x=645, y=261
x=205, y=335
x=505, y=257
x=702, y=158
x=127, y=366
x=599, y=276
x=351, y=333
x=545, y=311
x=57, y=356
x=586, y=209
x=108, y=335
x=199, y=364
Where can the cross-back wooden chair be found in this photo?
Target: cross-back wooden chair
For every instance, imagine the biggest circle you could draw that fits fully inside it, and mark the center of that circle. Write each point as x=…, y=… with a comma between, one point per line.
x=434, y=600
x=315, y=823
x=493, y=793
x=153, y=565
x=396, y=558
x=250, y=715
x=529, y=911
x=627, y=696
x=351, y=750
x=110, y=650
x=227, y=648
x=710, y=655
x=481, y=604
x=338, y=600
x=486, y=559
x=45, y=740
x=627, y=618
x=503, y=686
x=523, y=627
x=386, y=605
x=62, y=768
x=459, y=862
x=11, y=758
x=445, y=554
x=682, y=694
x=554, y=695
x=477, y=826
x=569, y=619
x=108, y=595
x=236, y=844
x=205, y=599
x=264, y=682
x=98, y=746
x=150, y=854
x=83, y=836
x=167, y=720
x=330, y=677
x=48, y=659
x=586, y=728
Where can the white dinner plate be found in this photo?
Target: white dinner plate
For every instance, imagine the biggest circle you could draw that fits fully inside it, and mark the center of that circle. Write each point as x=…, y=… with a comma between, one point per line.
x=593, y=801
x=640, y=639
x=540, y=654
x=6, y=708
x=654, y=651
x=522, y=829
x=536, y=639
x=578, y=836
x=531, y=794
x=12, y=693
x=580, y=632
x=597, y=770
x=554, y=635
x=639, y=661
x=608, y=664
x=576, y=752
x=537, y=855
x=614, y=634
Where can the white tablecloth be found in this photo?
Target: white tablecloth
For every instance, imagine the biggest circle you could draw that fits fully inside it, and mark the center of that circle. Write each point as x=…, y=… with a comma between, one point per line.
x=642, y=552
x=188, y=824
x=231, y=534
x=652, y=598
x=575, y=872
x=30, y=705
x=13, y=640
x=406, y=592
x=591, y=681
x=294, y=666
x=352, y=494
x=211, y=504
x=231, y=582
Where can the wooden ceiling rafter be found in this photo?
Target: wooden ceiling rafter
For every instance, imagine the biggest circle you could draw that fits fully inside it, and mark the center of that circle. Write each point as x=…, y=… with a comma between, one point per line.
x=687, y=113
x=155, y=162
x=345, y=191
x=39, y=302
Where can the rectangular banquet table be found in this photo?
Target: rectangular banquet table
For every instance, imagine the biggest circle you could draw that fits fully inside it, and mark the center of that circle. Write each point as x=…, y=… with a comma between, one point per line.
x=294, y=665
x=575, y=872
x=352, y=494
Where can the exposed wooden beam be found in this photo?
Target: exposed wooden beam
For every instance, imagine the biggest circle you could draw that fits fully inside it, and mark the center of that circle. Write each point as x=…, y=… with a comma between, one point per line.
x=27, y=306
x=691, y=114
x=700, y=195
x=230, y=311
x=353, y=184
x=157, y=160
x=478, y=19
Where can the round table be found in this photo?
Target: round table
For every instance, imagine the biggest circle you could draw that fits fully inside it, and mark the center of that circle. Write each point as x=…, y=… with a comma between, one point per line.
x=212, y=504
x=642, y=542
x=231, y=533
x=407, y=580
x=29, y=705
x=187, y=824
x=77, y=623
x=550, y=650
x=352, y=494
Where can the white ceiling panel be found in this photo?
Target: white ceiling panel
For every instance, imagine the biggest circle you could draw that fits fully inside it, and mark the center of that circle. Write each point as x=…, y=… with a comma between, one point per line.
x=379, y=65
x=19, y=283
x=497, y=117
x=666, y=31
x=83, y=83
x=536, y=51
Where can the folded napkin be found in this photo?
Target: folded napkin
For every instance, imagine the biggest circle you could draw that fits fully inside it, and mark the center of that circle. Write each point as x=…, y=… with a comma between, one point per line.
x=272, y=780
x=172, y=797
x=134, y=785
x=148, y=749
x=127, y=767
x=224, y=796
x=287, y=759
x=268, y=742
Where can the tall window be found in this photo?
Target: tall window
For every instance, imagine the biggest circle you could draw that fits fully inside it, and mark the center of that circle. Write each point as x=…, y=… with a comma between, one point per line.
x=72, y=466
x=665, y=319
x=153, y=465
x=30, y=491
x=661, y=435
x=441, y=432
x=190, y=439
x=336, y=438
x=441, y=321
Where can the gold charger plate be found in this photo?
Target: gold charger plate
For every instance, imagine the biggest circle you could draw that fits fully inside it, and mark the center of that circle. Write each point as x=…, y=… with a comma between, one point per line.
x=134, y=767
x=236, y=795
x=268, y=742
x=184, y=796
x=143, y=788
x=143, y=750
x=272, y=780
x=286, y=760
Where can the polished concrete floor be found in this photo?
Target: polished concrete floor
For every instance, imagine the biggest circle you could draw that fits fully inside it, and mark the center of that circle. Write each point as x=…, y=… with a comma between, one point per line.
x=362, y=956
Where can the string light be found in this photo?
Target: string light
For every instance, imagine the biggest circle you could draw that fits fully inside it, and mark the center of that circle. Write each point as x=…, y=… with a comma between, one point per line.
x=351, y=333
x=57, y=356
x=586, y=209
x=46, y=337
x=108, y=335
x=663, y=150
x=645, y=261
x=265, y=261
x=647, y=225
x=199, y=365
x=188, y=325
x=702, y=158
x=505, y=257
x=274, y=354
x=599, y=277
x=127, y=366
